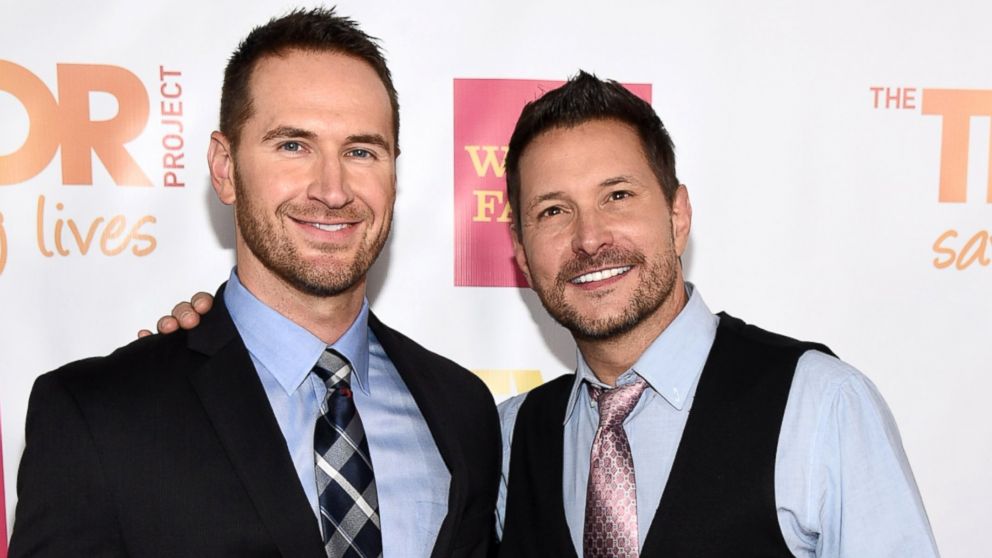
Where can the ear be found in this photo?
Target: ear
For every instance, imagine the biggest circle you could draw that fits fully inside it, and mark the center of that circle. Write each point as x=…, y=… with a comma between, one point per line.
x=681, y=219
x=220, y=160
x=519, y=254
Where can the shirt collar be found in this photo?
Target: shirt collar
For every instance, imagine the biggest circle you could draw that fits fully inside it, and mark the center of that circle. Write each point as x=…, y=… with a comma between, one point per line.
x=671, y=363
x=286, y=349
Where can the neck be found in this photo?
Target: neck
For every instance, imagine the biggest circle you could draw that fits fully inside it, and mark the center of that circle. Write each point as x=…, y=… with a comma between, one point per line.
x=327, y=317
x=610, y=357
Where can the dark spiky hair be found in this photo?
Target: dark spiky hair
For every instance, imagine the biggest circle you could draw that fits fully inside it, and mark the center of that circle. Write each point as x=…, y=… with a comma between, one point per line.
x=584, y=98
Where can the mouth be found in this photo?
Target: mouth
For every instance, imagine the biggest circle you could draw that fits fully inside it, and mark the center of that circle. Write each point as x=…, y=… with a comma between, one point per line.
x=600, y=275
x=326, y=227
x=329, y=228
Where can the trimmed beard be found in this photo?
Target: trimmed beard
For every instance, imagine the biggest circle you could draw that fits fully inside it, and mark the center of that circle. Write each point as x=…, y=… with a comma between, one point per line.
x=270, y=244
x=654, y=288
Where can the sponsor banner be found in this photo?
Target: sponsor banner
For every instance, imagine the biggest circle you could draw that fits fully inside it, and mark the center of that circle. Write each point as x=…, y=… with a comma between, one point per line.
x=955, y=248
x=101, y=127
x=485, y=113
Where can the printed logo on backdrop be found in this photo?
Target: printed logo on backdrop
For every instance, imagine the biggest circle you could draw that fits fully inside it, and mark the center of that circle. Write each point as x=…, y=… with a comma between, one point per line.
x=506, y=383
x=62, y=131
x=952, y=248
x=3, y=508
x=485, y=113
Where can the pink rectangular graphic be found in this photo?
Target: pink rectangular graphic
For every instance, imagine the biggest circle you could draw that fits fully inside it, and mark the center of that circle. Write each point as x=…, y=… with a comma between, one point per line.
x=485, y=113
x=3, y=507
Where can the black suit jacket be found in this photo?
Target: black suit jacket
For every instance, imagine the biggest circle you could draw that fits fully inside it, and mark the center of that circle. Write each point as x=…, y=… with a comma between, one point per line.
x=168, y=447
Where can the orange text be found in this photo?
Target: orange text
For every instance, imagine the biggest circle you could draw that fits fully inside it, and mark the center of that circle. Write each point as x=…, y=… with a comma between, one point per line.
x=951, y=251
x=66, y=123
x=956, y=107
x=115, y=235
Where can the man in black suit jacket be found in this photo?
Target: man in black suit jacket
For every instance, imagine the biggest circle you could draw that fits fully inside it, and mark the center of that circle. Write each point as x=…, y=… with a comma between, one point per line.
x=173, y=446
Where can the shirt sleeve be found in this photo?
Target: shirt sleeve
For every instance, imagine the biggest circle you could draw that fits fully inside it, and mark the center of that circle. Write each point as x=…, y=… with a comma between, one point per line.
x=844, y=486
x=507, y=418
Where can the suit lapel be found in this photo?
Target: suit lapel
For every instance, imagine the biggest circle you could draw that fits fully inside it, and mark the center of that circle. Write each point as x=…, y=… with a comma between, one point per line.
x=239, y=410
x=419, y=378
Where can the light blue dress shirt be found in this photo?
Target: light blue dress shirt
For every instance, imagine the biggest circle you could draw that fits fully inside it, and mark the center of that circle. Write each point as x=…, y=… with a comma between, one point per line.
x=843, y=485
x=411, y=478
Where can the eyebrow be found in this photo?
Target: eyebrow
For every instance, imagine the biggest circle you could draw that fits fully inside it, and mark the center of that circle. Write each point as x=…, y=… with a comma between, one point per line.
x=545, y=197
x=373, y=139
x=283, y=132
x=612, y=181
x=621, y=179
x=288, y=132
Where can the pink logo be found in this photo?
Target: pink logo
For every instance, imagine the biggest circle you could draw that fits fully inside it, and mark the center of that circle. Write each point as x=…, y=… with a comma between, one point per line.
x=3, y=508
x=485, y=113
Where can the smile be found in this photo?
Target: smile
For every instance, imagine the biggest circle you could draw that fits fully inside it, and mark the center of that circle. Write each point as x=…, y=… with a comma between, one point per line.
x=601, y=275
x=326, y=227
x=329, y=228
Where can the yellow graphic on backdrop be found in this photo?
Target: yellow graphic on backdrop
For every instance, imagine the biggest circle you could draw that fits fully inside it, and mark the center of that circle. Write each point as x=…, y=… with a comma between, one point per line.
x=506, y=383
x=490, y=162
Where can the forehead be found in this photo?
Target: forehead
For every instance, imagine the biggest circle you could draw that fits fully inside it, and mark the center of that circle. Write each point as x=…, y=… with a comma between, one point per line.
x=302, y=82
x=586, y=154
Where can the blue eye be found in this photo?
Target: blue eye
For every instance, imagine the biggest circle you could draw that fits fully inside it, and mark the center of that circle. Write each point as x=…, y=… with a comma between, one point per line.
x=292, y=146
x=361, y=153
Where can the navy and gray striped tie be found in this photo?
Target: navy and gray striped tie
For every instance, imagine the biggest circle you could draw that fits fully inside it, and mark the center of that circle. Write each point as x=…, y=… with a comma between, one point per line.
x=349, y=505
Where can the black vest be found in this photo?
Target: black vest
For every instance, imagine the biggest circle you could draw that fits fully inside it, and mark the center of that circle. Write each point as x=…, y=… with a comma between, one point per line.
x=720, y=497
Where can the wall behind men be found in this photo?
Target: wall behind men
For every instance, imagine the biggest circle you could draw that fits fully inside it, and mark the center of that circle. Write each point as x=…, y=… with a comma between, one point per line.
x=837, y=158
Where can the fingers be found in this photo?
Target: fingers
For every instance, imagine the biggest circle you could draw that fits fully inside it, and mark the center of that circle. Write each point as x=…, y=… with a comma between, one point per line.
x=167, y=324
x=202, y=302
x=185, y=315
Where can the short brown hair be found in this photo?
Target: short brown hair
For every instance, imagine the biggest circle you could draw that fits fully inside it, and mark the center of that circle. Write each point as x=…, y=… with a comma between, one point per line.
x=317, y=29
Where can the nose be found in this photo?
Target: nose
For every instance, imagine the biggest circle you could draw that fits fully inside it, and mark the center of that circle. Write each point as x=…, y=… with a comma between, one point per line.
x=592, y=233
x=330, y=184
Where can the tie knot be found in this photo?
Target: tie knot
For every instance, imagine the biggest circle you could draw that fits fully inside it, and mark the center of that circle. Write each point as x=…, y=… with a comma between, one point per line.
x=616, y=403
x=333, y=369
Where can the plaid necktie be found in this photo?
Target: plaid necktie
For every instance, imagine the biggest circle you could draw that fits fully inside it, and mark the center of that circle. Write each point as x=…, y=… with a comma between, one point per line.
x=349, y=505
x=611, y=499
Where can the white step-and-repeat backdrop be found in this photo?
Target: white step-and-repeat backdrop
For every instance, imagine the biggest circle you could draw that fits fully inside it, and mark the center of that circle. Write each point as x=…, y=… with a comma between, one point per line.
x=837, y=157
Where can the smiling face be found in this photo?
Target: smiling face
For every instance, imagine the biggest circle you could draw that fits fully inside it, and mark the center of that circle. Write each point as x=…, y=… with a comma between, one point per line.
x=313, y=178
x=598, y=242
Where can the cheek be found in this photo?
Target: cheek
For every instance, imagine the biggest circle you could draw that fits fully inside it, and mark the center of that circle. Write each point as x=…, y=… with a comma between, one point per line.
x=383, y=202
x=542, y=256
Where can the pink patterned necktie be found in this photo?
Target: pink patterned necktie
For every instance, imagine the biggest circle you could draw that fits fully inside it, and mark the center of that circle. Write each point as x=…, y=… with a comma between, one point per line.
x=611, y=501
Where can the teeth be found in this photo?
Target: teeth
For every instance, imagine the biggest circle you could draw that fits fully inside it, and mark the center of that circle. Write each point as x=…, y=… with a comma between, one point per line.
x=600, y=275
x=329, y=228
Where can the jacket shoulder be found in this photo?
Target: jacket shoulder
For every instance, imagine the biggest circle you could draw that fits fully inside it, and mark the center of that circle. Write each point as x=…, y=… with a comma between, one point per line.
x=139, y=367
x=401, y=349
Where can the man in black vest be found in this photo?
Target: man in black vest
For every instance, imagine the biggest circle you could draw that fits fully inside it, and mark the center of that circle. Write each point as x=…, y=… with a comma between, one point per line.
x=787, y=450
